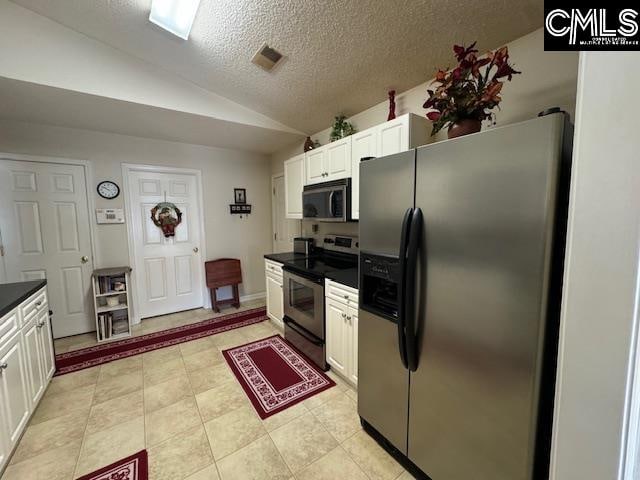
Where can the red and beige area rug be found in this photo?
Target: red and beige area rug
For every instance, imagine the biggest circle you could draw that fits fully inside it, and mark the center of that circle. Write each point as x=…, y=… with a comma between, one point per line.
x=108, y=352
x=275, y=375
x=130, y=468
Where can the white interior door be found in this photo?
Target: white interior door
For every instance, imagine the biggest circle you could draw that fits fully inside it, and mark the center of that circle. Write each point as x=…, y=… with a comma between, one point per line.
x=44, y=219
x=168, y=271
x=284, y=229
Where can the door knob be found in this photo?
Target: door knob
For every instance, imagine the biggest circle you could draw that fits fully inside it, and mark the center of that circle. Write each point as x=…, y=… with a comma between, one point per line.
x=195, y=250
x=3, y=366
x=84, y=259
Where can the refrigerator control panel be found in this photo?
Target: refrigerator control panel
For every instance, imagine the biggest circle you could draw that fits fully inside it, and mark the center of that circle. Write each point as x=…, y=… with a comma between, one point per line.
x=379, y=279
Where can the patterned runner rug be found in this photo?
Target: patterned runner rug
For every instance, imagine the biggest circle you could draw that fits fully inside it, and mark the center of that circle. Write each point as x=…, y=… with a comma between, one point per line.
x=275, y=375
x=108, y=352
x=130, y=468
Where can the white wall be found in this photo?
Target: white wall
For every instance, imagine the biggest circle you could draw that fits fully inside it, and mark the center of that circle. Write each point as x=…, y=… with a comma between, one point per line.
x=600, y=300
x=548, y=79
x=222, y=170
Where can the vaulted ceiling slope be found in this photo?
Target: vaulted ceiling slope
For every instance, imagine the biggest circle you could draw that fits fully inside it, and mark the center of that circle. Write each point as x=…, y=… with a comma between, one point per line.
x=342, y=55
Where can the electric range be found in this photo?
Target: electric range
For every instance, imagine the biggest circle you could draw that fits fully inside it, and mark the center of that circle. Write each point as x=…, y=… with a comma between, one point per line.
x=303, y=286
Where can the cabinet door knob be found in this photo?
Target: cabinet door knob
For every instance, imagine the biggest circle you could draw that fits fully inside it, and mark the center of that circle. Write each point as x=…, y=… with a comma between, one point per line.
x=40, y=325
x=38, y=303
x=195, y=249
x=3, y=366
x=84, y=259
x=344, y=315
x=346, y=297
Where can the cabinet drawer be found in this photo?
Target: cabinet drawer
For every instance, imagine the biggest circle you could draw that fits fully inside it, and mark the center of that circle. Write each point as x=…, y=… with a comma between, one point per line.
x=8, y=326
x=341, y=293
x=273, y=267
x=34, y=304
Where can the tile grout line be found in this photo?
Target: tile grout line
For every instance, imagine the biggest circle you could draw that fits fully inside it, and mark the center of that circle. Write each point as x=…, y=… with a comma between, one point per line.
x=86, y=425
x=213, y=459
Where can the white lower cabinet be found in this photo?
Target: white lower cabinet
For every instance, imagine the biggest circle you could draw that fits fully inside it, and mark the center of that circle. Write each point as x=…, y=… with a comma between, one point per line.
x=33, y=350
x=275, y=296
x=337, y=336
x=341, y=313
x=26, y=367
x=14, y=389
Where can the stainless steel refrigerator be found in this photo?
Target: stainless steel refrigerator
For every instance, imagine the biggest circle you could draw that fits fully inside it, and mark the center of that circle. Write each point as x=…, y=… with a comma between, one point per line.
x=461, y=247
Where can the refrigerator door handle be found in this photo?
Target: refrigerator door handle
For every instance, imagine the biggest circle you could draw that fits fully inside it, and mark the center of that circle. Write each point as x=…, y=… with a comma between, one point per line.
x=411, y=293
x=404, y=241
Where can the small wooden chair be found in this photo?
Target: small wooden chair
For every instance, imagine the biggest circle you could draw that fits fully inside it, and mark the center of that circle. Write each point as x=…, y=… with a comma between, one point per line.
x=223, y=272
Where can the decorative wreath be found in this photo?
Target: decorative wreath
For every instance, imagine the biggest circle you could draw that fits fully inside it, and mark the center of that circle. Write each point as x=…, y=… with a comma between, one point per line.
x=167, y=217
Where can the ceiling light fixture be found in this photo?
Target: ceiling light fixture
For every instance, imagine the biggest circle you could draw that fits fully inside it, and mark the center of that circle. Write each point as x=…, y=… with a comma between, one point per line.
x=175, y=16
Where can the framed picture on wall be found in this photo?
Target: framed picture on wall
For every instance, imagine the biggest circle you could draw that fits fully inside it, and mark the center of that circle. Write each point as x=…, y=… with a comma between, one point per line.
x=240, y=195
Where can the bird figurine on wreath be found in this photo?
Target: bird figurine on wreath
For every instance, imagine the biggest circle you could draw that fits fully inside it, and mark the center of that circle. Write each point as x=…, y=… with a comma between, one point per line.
x=167, y=217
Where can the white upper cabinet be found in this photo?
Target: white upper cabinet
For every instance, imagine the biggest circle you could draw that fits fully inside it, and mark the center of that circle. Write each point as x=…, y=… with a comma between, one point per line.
x=395, y=136
x=363, y=144
x=338, y=159
x=314, y=166
x=329, y=162
x=293, y=184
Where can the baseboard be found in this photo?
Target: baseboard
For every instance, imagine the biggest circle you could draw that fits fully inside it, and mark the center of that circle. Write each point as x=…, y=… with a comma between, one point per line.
x=253, y=296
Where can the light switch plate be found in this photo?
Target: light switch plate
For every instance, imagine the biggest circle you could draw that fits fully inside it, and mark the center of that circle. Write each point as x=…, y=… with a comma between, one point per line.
x=109, y=215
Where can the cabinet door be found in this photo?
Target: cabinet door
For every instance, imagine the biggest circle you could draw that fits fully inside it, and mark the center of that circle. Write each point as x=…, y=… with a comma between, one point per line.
x=353, y=343
x=314, y=166
x=393, y=136
x=4, y=442
x=275, y=306
x=46, y=346
x=14, y=397
x=293, y=184
x=338, y=159
x=33, y=352
x=337, y=336
x=363, y=144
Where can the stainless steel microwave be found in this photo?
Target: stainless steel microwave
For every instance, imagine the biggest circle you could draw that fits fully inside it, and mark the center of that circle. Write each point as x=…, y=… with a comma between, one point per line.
x=328, y=201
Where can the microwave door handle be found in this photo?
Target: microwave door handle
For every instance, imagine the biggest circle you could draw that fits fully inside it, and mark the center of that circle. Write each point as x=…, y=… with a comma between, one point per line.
x=402, y=255
x=331, y=203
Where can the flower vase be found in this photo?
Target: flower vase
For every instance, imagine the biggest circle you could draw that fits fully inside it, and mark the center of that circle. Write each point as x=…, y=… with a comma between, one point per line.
x=464, y=127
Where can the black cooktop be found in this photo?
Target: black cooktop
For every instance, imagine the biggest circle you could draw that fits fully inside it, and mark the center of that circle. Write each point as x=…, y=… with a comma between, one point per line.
x=322, y=264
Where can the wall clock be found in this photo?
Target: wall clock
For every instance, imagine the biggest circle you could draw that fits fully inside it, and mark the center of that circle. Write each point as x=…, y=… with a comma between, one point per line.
x=108, y=190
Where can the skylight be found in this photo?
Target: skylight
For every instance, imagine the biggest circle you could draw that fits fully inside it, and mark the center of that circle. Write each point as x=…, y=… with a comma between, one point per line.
x=175, y=16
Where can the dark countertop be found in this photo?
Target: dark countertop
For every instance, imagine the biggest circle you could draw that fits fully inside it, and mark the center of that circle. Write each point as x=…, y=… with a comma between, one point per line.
x=284, y=257
x=347, y=277
x=13, y=294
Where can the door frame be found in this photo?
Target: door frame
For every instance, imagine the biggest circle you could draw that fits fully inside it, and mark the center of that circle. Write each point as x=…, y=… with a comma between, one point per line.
x=88, y=180
x=273, y=209
x=128, y=168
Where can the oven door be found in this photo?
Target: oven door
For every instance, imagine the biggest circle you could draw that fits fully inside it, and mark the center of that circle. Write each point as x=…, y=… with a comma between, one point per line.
x=304, y=302
x=329, y=204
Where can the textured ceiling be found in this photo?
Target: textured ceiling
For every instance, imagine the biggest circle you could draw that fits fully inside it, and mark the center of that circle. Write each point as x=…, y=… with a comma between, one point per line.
x=341, y=56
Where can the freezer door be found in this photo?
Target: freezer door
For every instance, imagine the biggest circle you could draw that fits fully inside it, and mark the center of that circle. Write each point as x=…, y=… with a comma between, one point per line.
x=386, y=192
x=488, y=208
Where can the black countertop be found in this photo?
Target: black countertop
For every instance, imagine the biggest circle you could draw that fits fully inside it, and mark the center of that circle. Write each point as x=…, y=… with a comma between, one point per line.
x=13, y=294
x=348, y=276
x=284, y=257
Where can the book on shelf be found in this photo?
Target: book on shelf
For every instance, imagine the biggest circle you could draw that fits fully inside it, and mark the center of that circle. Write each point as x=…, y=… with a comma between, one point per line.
x=108, y=284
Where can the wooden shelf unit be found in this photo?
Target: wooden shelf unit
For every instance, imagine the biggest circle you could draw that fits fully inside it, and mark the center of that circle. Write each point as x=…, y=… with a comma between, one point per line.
x=112, y=322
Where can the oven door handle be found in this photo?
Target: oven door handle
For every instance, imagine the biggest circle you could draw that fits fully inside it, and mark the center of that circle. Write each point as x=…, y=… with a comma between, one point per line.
x=291, y=324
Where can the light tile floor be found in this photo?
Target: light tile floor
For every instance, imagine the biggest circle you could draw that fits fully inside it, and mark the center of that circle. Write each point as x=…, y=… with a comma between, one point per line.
x=184, y=405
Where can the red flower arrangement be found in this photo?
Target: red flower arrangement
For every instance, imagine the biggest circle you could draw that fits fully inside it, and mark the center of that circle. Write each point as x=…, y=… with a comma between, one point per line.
x=467, y=92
